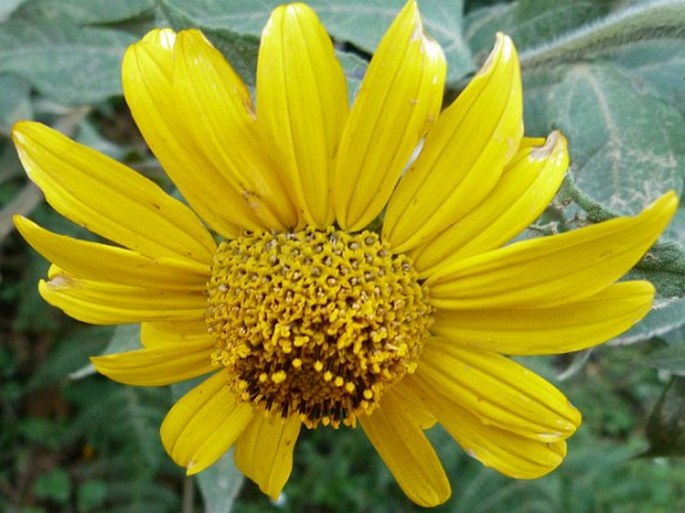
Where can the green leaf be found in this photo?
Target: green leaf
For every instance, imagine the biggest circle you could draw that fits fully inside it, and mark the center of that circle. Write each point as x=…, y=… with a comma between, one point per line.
x=626, y=147
x=664, y=266
x=7, y=7
x=69, y=355
x=643, y=21
x=666, y=424
x=360, y=22
x=529, y=22
x=658, y=66
x=71, y=64
x=54, y=485
x=354, y=68
x=667, y=317
x=15, y=103
x=126, y=337
x=670, y=358
x=220, y=484
x=90, y=12
x=91, y=495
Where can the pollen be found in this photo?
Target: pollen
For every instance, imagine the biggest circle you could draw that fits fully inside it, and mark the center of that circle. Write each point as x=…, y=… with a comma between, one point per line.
x=315, y=323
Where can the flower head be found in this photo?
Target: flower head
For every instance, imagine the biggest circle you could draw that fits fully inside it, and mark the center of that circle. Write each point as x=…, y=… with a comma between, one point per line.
x=273, y=283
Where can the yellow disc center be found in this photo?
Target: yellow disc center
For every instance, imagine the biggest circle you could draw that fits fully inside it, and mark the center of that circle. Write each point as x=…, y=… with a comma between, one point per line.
x=317, y=322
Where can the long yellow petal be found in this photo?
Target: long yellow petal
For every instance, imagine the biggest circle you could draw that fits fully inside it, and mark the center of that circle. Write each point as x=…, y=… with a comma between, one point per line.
x=204, y=424
x=109, y=198
x=463, y=155
x=526, y=187
x=398, y=101
x=407, y=452
x=153, y=367
x=169, y=333
x=264, y=451
x=148, y=73
x=413, y=405
x=498, y=391
x=101, y=262
x=218, y=115
x=553, y=270
x=559, y=329
x=509, y=453
x=109, y=303
x=302, y=106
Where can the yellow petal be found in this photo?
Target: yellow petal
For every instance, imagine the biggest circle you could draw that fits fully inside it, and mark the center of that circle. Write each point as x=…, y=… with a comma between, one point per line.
x=413, y=405
x=109, y=198
x=98, y=302
x=148, y=74
x=264, y=452
x=302, y=102
x=101, y=262
x=498, y=391
x=204, y=424
x=407, y=452
x=559, y=329
x=509, y=453
x=553, y=270
x=157, y=366
x=463, y=155
x=528, y=184
x=399, y=99
x=216, y=109
x=166, y=333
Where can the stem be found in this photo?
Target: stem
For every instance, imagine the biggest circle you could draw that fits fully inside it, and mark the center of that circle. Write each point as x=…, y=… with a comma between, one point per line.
x=188, y=494
x=659, y=19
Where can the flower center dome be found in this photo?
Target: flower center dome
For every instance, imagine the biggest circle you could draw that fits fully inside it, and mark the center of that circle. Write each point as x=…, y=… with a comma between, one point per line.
x=315, y=322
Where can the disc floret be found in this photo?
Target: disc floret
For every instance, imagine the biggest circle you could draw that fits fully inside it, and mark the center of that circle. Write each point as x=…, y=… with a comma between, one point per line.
x=315, y=322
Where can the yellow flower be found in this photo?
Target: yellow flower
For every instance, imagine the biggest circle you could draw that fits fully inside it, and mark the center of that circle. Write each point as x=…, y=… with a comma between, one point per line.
x=272, y=283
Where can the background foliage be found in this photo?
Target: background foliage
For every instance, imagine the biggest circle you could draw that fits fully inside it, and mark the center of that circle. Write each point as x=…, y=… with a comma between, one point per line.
x=609, y=73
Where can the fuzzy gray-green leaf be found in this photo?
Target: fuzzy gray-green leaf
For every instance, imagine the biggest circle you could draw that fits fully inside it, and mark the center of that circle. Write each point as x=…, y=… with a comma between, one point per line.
x=71, y=64
x=666, y=424
x=626, y=147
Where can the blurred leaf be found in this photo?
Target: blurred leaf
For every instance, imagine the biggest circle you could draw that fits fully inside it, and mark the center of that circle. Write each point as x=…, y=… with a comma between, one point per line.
x=33, y=313
x=23, y=202
x=667, y=316
x=360, y=22
x=666, y=424
x=671, y=358
x=114, y=414
x=355, y=69
x=126, y=337
x=220, y=484
x=7, y=7
x=71, y=354
x=71, y=64
x=15, y=103
x=54, y=485
x=91, y=495
x=89, y=12
x=41, y=432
